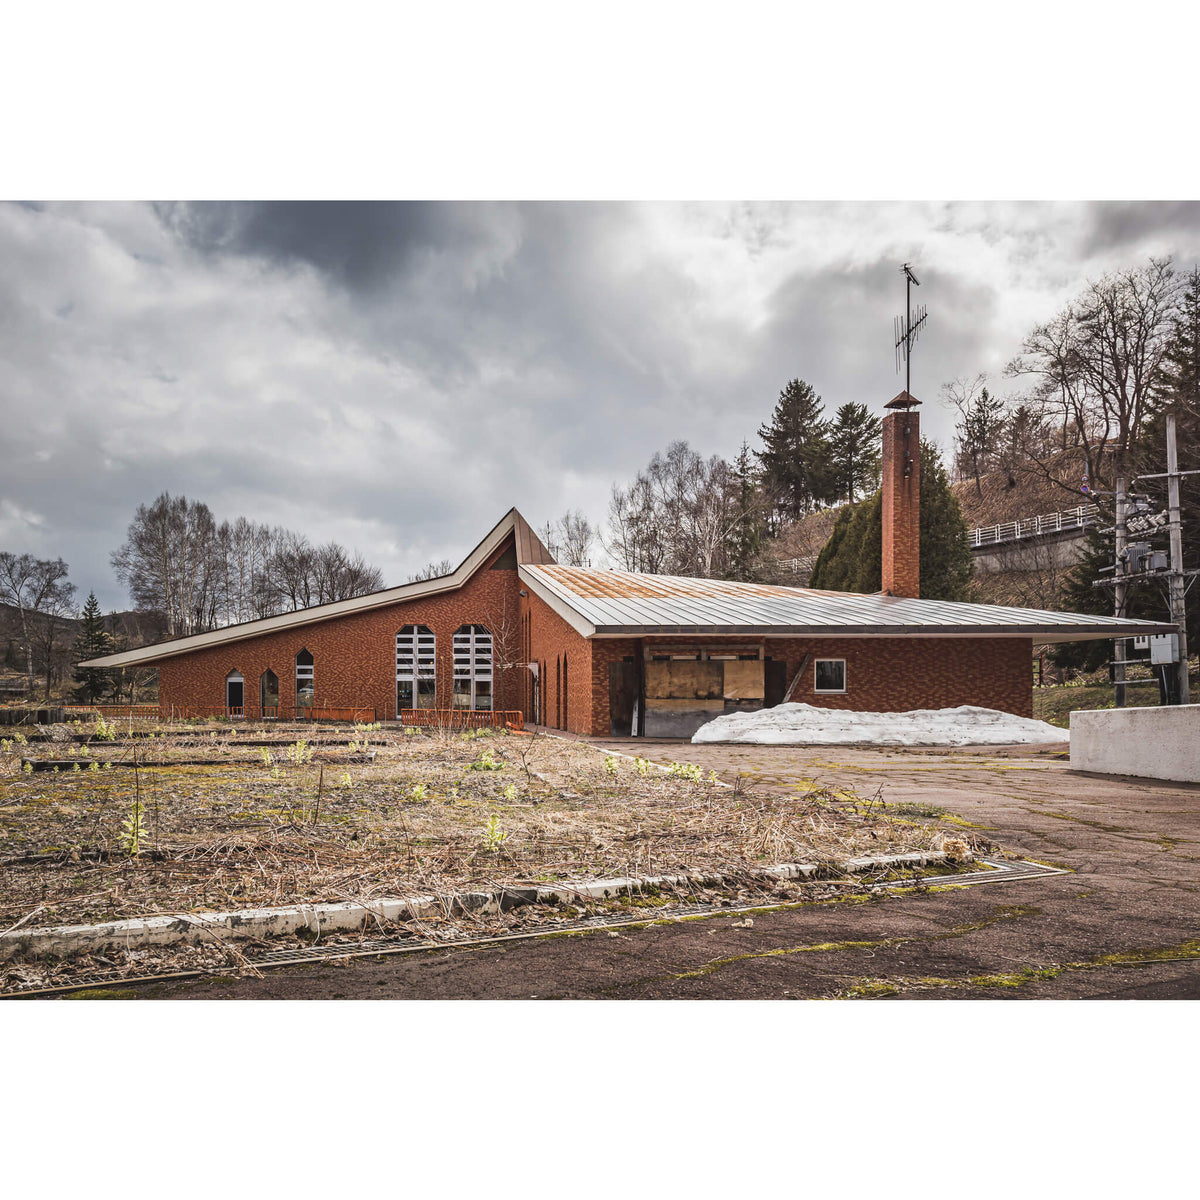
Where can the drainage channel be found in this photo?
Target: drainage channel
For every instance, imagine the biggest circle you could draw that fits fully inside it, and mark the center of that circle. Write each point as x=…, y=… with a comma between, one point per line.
x=995, y=871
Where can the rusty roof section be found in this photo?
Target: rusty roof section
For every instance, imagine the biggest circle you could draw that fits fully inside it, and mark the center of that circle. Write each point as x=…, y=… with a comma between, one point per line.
x=529, y=546
x=629, y=585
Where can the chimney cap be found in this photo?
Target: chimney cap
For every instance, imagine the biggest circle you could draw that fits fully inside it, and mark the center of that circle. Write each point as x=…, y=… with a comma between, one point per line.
x=903, y=400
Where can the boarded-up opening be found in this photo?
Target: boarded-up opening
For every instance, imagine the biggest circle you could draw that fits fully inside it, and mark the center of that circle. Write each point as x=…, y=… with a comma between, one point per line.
x=683, y=694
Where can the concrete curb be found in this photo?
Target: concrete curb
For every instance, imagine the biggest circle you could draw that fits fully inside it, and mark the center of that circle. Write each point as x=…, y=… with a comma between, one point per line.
x=195, y=928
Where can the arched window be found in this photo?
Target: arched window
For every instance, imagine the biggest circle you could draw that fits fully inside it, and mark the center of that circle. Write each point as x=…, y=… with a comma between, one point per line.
x=473, y=667
x=305, y=683
x=416, y=668
x=235, y=694
x=268, y=693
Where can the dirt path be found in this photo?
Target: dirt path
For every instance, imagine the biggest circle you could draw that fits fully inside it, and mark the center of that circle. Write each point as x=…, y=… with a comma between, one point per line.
x=1125, y=923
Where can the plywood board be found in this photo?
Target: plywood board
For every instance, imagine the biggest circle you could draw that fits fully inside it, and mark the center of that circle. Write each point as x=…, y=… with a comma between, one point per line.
x=684, y=680
x=744, y=680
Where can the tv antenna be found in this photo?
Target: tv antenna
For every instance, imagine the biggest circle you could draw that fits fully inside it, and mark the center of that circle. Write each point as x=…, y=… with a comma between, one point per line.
x=908, y=327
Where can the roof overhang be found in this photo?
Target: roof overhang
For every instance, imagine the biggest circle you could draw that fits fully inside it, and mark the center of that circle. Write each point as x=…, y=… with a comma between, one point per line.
x=1039, y=634
x=510, y=523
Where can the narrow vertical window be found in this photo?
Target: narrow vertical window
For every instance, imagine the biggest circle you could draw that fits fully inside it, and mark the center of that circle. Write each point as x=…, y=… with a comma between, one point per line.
x=558, y=703
x=473, y=667
x=416, y=668
x=305, y=683
x=268, y=694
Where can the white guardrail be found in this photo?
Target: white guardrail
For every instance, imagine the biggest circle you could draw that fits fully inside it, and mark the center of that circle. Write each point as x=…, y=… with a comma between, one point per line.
x=1013, y=531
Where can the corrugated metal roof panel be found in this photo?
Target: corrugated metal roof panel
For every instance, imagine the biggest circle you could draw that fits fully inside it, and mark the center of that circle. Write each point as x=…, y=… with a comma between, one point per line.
x=626, y=602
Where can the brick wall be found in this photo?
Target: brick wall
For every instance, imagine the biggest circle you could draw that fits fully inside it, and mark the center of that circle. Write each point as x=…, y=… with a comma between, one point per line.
x=901, y=504
x=882, y=674
x=551, y=640
x=355, y=655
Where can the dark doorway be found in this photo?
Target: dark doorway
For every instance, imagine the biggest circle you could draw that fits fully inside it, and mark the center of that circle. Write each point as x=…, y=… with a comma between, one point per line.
x=622, y=692
x=775, y=682
x=235, y=693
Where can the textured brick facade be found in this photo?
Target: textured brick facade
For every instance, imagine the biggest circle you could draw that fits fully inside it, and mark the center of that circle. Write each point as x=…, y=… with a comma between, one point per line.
x=354, y=661
x=551, y=643
x=355, y=655
x=882, y=674
x=901, y=483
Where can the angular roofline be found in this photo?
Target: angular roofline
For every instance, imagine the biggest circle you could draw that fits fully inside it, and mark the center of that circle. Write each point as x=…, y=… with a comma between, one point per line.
x=526, y=542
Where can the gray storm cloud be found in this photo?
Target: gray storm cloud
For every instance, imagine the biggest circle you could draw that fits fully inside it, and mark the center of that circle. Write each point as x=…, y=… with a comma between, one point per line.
x=395, y=376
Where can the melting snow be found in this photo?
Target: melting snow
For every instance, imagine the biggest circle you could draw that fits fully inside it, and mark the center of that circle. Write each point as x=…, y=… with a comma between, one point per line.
x=805, y=724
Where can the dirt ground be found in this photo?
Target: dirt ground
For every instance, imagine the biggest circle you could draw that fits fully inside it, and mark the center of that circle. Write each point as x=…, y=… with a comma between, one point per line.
x=1124, y=923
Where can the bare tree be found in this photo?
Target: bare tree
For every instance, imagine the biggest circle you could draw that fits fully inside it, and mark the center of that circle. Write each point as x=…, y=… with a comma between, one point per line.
x=35, y=587
x=1094, y=367
x=168, y=563
x=678, y=516
x=432, y=570
x=569, y=539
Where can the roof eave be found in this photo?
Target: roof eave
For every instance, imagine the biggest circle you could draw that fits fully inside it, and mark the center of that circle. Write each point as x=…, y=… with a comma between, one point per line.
x=231, y=634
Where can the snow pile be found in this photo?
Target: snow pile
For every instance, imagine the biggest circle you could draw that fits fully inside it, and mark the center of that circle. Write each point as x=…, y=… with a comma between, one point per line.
x=804, y=724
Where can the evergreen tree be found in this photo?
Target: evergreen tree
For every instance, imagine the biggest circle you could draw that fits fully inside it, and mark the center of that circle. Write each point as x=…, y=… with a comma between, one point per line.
x=93, y=641
x=852, y=559
x=1179, y=379
x=854, y=452
x=747, y=535
x=795, y=454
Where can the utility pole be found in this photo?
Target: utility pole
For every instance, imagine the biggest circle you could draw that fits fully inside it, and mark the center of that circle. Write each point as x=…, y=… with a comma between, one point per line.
x=1119, y=606
x=1176, y=581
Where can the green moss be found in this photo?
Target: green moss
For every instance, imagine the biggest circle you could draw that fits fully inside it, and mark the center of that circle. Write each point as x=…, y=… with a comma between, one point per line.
x=102, y=994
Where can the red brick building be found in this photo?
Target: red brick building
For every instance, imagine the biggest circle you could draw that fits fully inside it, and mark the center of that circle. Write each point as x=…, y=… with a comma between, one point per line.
x=613, y=652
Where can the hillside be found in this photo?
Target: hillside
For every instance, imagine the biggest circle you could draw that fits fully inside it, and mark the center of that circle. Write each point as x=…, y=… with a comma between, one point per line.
x=1022, y=492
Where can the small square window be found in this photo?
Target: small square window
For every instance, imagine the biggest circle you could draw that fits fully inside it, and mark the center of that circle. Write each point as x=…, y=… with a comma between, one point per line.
x=830, y=675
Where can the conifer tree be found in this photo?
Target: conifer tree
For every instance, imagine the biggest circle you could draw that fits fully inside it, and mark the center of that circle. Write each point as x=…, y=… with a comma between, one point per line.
x=852, y=559
x=747, y=535
x=854, y=439
x=93, y=641
x=795, y=454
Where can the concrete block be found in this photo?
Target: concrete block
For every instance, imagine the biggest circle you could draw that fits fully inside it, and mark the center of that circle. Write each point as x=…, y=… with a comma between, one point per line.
x=1154, y=743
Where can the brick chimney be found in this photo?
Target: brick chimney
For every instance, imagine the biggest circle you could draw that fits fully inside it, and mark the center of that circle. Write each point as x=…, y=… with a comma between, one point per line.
x=902, y=498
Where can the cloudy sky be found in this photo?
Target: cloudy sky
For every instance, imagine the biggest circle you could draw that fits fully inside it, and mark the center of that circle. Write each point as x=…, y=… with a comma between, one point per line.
x=397, y=375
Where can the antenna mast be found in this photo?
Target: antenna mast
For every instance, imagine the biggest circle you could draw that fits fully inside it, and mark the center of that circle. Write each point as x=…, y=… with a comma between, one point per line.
x=908, y=327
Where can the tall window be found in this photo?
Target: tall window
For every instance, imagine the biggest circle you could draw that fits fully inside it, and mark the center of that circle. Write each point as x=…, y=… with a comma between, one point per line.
x=268, y=693
x=473, y=667
x=305, y=682
x=416, y=668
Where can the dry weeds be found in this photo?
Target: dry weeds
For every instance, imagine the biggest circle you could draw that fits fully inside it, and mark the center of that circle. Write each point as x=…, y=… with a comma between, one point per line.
x=432, y=813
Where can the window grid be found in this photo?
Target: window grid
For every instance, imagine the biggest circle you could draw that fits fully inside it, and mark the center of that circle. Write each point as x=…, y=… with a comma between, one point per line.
x=472, y=669
x=416, y=667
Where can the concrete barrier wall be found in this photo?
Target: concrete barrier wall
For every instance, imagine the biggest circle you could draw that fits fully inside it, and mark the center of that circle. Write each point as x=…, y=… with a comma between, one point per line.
x=1156, y=743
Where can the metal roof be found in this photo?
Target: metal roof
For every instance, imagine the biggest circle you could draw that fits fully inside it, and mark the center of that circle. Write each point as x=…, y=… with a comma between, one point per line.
x=623, y=603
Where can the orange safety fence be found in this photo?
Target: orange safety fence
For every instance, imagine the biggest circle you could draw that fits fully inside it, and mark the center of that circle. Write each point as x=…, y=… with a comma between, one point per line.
x=269, y=712
x=460, y=718
x=114, y=710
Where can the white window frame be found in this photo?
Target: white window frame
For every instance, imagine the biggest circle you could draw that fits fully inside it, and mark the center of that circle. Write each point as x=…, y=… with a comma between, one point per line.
x=473, y=649
x=820, y=691
x=305, y=673
x=416, y=661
